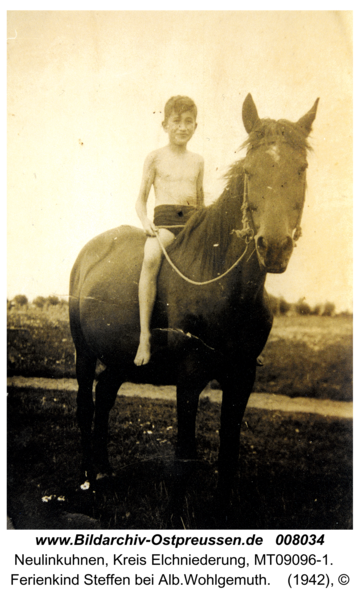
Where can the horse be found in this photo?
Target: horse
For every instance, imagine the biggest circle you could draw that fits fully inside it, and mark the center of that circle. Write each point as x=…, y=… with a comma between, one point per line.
x=212, y=316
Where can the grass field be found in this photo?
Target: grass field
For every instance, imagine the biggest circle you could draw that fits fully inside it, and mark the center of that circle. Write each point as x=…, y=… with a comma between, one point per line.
x=295, y=469
x=305, y=355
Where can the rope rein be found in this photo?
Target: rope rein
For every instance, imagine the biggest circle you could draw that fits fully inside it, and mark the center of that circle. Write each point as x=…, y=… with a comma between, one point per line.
x=246, y=233
x=191, y=280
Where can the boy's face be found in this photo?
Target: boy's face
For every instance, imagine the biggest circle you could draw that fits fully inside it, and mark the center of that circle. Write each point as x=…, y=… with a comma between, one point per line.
x=180, y=128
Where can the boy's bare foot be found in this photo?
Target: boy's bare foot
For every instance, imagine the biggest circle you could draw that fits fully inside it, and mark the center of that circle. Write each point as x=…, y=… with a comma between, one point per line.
x=143, y=352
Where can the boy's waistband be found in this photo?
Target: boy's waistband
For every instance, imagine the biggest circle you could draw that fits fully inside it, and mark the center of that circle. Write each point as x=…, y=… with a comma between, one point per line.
x=172, y=214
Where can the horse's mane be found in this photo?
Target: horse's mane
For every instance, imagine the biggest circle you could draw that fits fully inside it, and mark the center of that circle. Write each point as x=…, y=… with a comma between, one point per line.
x=215, y=222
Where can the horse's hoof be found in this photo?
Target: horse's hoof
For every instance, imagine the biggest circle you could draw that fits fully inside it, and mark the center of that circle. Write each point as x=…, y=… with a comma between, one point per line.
x=85, y=486
x=104, y=475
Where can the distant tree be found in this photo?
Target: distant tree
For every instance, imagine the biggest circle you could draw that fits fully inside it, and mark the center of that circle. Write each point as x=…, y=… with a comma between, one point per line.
x=302, y=308
x=52, y=300
x=316, y=310
x=329, y=309
x=39, y=302
x=284, y=306
x=21, y=300
x=274, y=304
x=345, y=313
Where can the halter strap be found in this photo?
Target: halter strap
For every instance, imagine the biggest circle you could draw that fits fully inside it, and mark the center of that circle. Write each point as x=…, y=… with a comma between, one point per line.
x=247, y=231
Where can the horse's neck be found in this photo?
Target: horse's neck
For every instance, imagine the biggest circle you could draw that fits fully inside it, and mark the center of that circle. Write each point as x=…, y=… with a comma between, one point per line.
x=213, y=243
x=213, y=247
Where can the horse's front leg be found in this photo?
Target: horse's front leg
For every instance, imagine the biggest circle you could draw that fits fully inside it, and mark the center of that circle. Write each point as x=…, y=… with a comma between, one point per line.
x=191, y=382
x=237, y=386
x=189, y=386
x=187, y=404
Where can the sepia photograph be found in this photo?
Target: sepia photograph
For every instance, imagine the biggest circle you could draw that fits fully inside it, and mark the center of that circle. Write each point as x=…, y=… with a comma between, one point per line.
x=179, y=270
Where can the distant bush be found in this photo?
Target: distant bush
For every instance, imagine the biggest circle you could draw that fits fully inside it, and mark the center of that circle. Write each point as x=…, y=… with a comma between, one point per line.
x=324, y=310
x=347, y=314
x=39, y=302
x=284, y=306
x=316, y=310
x=279, y=305
x=274, y=304
x=302, y=308
x=52, y=300
x=329, y=309
x=20, y=301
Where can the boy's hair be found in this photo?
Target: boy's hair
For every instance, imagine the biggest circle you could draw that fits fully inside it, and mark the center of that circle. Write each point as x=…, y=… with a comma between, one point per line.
x=179, y=104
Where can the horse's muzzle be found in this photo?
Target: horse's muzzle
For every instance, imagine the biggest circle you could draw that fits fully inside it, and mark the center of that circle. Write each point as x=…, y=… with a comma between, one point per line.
x=272, y=254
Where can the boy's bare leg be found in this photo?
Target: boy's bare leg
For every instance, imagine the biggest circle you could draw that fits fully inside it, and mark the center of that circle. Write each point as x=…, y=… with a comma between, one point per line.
x=147, y=291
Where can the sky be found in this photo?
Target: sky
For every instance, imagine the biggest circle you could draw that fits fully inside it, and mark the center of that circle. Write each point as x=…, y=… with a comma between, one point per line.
x=86, y=92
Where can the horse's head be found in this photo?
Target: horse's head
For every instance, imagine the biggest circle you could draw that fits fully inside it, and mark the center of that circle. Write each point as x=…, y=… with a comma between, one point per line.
x=275, y=180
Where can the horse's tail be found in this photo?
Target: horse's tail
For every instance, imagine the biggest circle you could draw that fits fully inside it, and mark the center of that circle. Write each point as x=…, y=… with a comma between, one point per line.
x=74, y=308
x=86, y=260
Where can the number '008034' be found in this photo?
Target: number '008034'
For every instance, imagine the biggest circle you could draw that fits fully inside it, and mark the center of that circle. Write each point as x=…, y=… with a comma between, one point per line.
x=298, y=539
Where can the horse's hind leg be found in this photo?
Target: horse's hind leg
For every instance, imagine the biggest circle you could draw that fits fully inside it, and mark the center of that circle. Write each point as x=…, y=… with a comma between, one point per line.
x=85, y=372
x=191, y=381
x=106, y=390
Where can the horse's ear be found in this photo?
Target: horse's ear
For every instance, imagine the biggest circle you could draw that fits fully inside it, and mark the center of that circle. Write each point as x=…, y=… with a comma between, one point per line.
x=249, y=113
x=307, y=120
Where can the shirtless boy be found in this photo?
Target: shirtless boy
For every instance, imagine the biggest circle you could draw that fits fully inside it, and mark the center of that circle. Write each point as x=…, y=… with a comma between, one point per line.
x=177, y=177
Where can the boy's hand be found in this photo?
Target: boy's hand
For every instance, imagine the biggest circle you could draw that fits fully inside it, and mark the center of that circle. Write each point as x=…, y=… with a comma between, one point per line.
x=149, y=227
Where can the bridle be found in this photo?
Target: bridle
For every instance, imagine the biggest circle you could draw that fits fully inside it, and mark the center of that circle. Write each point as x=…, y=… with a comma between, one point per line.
x=247, y=231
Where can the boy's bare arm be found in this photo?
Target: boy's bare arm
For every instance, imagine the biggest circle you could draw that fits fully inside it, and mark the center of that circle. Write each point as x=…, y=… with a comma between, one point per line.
x=199, y=185
x=147, y=181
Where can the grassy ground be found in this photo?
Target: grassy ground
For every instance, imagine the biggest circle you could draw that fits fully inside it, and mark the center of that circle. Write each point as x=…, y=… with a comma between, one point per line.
x=308, y=356
x=295, y=469
x=305, y=355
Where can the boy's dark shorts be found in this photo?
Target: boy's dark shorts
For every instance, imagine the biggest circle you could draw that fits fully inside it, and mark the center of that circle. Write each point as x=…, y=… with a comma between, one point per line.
x=173, y=214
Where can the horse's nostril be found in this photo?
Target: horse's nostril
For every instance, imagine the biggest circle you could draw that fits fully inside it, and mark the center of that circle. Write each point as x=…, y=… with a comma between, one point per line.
x=287, y=244
x=261, y=243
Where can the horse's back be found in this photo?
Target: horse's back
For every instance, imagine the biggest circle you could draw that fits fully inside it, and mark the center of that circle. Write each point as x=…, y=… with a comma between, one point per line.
x=122, y=246
x=104, y=290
